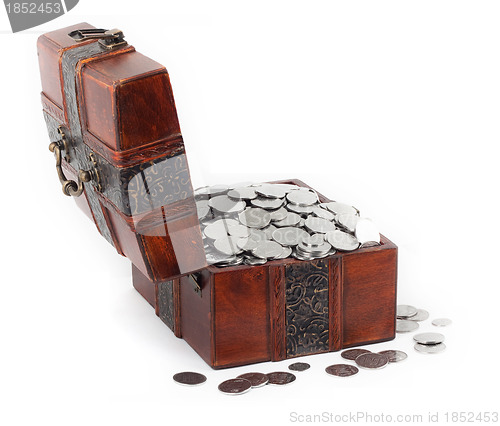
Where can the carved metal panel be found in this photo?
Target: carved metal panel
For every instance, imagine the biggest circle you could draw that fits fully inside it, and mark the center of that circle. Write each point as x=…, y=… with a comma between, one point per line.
x=78, y=151
x=166, y=303
x=306, y=294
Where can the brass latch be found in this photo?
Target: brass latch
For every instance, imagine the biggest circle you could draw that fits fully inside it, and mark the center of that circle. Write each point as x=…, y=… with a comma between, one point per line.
x=70, y=187
x=195, y=279
x=110, y=39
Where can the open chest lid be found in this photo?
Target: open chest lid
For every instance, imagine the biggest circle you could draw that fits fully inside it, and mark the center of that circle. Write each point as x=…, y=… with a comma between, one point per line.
x=113, y=128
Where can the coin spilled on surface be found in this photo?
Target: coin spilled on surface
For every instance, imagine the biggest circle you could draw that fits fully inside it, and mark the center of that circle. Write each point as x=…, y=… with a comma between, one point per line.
x=426, y=343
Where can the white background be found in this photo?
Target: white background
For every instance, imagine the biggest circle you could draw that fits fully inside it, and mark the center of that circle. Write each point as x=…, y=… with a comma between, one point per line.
x=392, y=106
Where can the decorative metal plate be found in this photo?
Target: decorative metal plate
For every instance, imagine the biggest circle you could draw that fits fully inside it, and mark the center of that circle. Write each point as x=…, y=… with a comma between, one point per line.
x=306, y=295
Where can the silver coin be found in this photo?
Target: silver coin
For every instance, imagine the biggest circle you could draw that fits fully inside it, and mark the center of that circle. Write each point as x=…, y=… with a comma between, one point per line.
x=315, y=250
x=242, y=194
x=430, y=349
x=267, y=203
x=268, y=231
x=323, y=213
x=406, y=326
x=236, y=260
x=255, y=218
x=421, y=315
x=287, y=251
x=215, y=190
x=318, y=225
x=239, y=230
x=405, y=311
x=235, y=386
x=224, y=204
x=372, y=361
x=202, y=211
x=201, y=193
x=288, y=236
x=218, y=228
x=270, y=191
x=300, y=209
x=299, y=256
x=441, y=322
x=429, y=338
x=280, y=378
x=314, y=240
x=342, y=240
x=247, y=243
x=299, y=366
x=340, y=208
x=267, y=249
x=394, y=356
x=213, y=258
x=347, y=221
x=279, y=214
x=258, y=234
x=302, y=198
x=255, y=261
x=366, y=232
x=292, y=219
x=201, y=203
x=352, y=354
x=257, y=380
x=189, y=378
x=341, y=370
x=228, y=245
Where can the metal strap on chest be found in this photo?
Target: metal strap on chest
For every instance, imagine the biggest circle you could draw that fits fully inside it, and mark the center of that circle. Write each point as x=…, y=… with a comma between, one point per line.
x=82, y=158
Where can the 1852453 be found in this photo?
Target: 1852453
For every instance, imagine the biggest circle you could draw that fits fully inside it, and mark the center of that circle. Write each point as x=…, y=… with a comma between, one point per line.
x=471, y=417
x=33, y=8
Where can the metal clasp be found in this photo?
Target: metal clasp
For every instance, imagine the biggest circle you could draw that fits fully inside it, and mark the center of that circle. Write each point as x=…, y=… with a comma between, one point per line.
x=195, y=279
x=109, y=39
x=70, y=187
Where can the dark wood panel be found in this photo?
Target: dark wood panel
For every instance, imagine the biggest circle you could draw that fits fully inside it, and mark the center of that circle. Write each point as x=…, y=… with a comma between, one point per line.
x=177, y=308
x=369, y=296
x=242, y=329
x=146, y=111
x=277, y=312
x=146, y=288
x=50, y=47
x=335, y=307
x=196, y=316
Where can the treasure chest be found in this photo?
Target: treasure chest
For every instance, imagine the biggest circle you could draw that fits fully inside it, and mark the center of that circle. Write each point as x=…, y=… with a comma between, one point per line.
x=119, y=152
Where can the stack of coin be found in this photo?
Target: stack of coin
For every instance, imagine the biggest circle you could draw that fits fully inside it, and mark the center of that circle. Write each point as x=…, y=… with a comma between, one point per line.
x=244, y=382
x=404, y=314
x=255, y=223
x=364, y=359
x=429, y=343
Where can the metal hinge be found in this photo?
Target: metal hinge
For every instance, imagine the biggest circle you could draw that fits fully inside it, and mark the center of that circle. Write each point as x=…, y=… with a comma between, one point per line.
x=109, y=39
x=195, y=279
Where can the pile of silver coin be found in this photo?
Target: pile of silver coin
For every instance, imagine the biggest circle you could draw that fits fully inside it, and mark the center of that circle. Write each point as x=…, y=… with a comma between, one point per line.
x=241, y=384
x=428, y=343
x=255, y=223
x=364, y=359
x=407, y=320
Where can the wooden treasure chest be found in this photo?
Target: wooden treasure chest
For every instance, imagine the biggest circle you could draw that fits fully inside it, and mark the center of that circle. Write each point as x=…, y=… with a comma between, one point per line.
x=119, y=152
